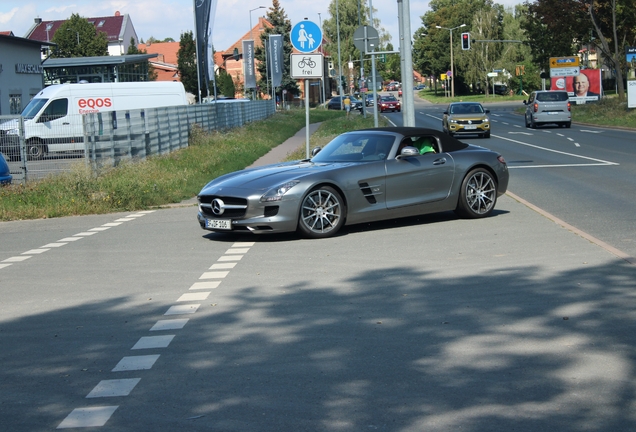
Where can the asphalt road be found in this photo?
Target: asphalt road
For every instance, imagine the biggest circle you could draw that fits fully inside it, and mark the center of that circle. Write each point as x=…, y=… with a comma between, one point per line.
x=142, y=321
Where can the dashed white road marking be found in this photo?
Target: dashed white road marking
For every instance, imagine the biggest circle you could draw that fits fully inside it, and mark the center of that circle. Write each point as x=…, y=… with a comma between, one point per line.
x=171, y=324
x=113, y=388
x=54, y=245
x=16, y=259
x=35, y=251
x=214, y=275
x=136, y=363
x=98, y=416
x=182, y=309
x=70, y=239
x=149, y=342
x=86, y=233
x=205, y=285
x=101, y=228
x=4, y=265
x=197, y=296
x=110, y=224
x=88, y=417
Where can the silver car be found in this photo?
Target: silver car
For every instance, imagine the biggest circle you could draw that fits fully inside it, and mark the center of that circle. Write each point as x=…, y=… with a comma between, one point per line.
x=360, y=176
x=548, y=107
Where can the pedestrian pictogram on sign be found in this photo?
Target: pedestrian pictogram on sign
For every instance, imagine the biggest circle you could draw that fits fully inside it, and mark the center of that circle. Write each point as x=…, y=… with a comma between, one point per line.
x=306, y=36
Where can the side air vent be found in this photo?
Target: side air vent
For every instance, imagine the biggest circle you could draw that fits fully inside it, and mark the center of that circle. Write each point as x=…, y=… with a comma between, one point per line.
x=367, y=192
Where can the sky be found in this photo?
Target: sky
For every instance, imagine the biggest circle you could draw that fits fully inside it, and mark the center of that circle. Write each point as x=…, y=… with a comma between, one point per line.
x=169, y=18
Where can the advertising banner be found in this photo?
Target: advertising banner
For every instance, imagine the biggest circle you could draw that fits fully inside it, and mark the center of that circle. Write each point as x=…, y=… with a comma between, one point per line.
x=630, y=57
x=276, y=59
x=582, y=88
x=248, y=64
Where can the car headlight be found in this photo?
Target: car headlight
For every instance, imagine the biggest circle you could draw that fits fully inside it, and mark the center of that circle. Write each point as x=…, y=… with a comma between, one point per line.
x=453, y=121
x=276, y=194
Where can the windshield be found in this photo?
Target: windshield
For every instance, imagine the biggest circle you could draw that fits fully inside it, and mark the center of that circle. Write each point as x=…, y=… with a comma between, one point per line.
x=362, y=147
x=33, y=108
x=388, y=98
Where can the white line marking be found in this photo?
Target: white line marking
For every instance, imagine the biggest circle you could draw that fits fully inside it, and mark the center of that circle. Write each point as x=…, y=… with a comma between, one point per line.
x=145, y=212
x=205, y=285
x=591, y=131
x=197, y=296
x=230, y=258
x=560, y=166
x=86, y=234
x=237, y=251
x=243, y=244
x=149, y=342
x=112, y=224
x=577, y=144
x=559, y=152
x=182, y=309
x=113, y=388
x=171, y=324
x=126, y=219
x=223, y=266
x=87, y=417
x=16, y=259
x=136, y=363
x=54, y=245
x=214, y=275
x=35, y=251
x=4, y=265
x=101, y=228
x=520, y=133
x=71, y=239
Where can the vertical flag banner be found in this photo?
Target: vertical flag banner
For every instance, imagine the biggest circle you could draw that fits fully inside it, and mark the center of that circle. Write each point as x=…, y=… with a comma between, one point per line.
x=276, y=59
x=210, y=48
x=204, y=11
x=248, y=64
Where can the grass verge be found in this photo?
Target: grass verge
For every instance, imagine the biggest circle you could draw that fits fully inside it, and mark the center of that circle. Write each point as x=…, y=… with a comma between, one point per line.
x=161, y=180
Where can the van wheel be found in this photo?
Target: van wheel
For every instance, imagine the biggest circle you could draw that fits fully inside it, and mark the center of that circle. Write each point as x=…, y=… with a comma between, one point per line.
x=35, y=150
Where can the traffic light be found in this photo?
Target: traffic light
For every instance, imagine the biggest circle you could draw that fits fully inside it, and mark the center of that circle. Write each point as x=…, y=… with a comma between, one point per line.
x=465, y=41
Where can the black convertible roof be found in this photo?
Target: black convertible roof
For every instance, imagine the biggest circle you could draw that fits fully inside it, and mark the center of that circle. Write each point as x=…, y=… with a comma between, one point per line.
x=449, y=143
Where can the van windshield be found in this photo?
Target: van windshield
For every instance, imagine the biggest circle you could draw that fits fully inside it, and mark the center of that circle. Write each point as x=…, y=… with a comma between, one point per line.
x=33, y=108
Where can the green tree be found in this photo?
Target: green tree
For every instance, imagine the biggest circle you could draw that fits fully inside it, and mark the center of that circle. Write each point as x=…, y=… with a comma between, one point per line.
x=133, y=49
x=225, y=84
x=281, y=25
x=76, y=37
x=187, y=63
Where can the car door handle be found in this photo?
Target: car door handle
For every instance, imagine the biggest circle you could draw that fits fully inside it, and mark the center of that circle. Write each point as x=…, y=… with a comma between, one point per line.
x=440, y=161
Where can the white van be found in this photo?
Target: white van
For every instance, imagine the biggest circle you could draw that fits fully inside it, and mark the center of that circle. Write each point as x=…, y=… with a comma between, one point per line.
x=53, y=118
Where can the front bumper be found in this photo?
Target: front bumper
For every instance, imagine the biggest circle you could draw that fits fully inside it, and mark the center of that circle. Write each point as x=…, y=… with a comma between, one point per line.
x=256, y=217
x=465, y=128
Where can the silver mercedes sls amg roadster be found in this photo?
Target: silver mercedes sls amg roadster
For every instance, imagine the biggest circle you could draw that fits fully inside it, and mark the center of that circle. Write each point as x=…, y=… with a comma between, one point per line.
x=360, y=176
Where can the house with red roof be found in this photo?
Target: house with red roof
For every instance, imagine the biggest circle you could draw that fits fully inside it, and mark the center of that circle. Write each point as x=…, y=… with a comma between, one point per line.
x=119, y=30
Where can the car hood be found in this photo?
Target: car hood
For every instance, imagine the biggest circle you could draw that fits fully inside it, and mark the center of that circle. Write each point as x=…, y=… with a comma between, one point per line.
x=9, y=125
x=265, y=177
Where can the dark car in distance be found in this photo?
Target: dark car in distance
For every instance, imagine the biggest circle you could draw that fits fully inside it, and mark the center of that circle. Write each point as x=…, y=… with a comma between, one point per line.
x=334, y=103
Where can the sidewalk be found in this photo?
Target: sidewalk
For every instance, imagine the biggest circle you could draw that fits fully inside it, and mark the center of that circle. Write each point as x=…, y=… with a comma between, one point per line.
x=277, y=154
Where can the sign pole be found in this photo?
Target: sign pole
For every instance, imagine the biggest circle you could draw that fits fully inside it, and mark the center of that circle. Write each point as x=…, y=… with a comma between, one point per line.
x=307, y=117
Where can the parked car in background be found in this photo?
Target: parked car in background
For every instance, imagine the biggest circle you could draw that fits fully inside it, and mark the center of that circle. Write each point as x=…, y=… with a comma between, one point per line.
x=369, y=99
x=5, y=174
x=548, y=106
x=360, y=176
x=389, y=103
x=334, y=103
x=420, y=87
x=466, y=118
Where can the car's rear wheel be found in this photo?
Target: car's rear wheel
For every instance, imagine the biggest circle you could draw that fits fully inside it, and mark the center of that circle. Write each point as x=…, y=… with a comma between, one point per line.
x=35, y=150
x=478, y=194
x=322, y=213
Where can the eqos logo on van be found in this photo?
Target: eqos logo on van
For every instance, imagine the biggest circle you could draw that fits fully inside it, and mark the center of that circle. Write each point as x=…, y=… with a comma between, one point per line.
x=94, y=104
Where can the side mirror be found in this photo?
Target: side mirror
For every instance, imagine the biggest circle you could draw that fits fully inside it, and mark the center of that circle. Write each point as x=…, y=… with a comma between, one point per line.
x=408, y=151
x=315, y=151
x=487, y=111
x=525, y=102
x=445, y=112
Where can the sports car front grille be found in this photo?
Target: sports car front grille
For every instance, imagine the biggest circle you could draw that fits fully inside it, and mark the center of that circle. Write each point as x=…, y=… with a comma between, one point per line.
x=206, y=206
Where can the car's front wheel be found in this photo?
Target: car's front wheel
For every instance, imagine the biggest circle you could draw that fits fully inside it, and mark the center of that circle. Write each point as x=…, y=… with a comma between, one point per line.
x=478, y=194
x=322, y=213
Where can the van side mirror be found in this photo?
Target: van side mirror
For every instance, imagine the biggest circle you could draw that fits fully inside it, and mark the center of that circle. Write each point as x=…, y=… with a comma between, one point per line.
x=315, y=151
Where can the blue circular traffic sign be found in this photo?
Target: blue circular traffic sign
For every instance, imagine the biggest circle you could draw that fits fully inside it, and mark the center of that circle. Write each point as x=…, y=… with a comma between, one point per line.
x=306, y=36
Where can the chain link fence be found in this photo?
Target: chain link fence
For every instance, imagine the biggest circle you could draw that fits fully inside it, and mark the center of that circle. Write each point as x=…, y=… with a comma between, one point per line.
x=35, y=149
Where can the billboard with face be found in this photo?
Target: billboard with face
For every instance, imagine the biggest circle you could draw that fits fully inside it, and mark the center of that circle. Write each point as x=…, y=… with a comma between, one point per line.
x=583, y=88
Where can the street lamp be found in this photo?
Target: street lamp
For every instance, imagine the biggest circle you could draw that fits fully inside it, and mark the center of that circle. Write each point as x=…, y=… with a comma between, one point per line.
x=251, y=29
x=451, y=49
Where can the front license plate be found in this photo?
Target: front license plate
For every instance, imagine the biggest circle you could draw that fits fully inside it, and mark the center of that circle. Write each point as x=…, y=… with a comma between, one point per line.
x=470, y=127
x=223, y=224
